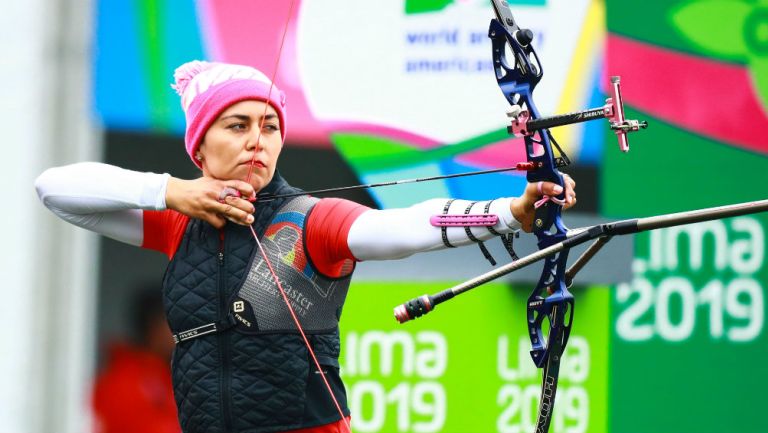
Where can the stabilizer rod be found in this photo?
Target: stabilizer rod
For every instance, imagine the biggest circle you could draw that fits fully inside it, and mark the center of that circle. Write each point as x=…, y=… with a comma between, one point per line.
x=424, y=304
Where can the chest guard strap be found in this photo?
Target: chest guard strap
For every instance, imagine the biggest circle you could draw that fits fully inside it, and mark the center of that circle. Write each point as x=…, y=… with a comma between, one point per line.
x=210, y=328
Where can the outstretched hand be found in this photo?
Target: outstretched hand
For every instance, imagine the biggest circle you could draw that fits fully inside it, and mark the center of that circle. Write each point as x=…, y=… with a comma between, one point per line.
x=204, y=198
x=523, y=207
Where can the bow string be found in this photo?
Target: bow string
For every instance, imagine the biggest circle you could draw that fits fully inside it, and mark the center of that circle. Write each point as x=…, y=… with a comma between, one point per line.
x=263, y=252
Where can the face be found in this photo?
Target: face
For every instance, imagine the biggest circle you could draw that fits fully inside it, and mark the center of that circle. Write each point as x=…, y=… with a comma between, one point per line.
x=238, y=137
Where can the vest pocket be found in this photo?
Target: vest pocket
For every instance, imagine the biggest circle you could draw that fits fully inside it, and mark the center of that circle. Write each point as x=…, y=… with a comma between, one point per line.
x=320, y=405
x=268, y=380
x=195, y=385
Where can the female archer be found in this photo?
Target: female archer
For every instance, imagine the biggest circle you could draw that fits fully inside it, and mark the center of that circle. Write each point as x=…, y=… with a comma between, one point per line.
x=240, y=363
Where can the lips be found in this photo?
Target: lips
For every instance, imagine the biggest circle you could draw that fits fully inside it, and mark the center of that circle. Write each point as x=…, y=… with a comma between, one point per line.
x=256, y=163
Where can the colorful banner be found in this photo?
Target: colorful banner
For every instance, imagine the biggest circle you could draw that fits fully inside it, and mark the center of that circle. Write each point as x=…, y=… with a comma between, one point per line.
x=401, y=89
x=466, y=367
x=404, y=89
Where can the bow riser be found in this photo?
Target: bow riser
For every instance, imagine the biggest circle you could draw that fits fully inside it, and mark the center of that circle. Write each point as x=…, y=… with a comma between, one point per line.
x=518, y=71
x=517, y=77
x=550, y=300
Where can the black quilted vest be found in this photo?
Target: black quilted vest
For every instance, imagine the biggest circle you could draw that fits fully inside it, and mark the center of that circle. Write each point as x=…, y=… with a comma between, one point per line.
x=232, y=381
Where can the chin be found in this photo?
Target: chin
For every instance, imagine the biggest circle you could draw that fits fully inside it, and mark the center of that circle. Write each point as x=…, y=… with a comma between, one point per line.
x=243, y=169
x=258, y=182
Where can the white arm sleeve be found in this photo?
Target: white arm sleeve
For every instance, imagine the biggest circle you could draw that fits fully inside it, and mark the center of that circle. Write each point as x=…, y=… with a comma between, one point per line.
x=396, y=233
x=103, y=198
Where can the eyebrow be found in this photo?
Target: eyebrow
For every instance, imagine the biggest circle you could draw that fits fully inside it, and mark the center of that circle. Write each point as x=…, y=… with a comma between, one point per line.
x=247, y=118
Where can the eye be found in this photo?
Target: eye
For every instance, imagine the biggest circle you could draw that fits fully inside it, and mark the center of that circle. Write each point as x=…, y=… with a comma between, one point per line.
x=272, y=127
x=239, y=126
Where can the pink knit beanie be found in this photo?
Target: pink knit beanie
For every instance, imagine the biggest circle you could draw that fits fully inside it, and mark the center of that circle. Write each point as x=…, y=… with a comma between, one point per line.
x=208, y=88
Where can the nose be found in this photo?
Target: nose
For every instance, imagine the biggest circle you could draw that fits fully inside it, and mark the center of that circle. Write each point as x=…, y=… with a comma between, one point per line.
x=255, y=141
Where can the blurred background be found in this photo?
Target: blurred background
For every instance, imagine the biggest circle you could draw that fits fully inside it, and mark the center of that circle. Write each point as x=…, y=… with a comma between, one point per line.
x=669, y=328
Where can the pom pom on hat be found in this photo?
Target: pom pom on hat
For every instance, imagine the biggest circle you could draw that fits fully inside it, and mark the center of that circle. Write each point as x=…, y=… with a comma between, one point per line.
x=186, y=72
x=209, y=88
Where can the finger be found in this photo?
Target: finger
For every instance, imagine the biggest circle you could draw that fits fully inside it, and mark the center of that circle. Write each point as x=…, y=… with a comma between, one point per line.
x=227, y=192
x=570, y=193
x=242, y=204
x=569, y=188
x=246, y=189
x=569, y=181
x=215, y=220
x=237, y=216
x=550, y=189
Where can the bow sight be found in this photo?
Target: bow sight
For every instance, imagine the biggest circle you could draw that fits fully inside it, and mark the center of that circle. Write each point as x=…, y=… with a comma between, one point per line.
x=613, y=110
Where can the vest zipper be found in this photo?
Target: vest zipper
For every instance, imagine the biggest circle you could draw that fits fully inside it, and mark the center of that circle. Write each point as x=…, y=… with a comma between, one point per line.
x=224, y=348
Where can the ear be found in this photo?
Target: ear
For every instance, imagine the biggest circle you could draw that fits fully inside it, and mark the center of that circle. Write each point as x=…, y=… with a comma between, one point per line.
x=199, y=152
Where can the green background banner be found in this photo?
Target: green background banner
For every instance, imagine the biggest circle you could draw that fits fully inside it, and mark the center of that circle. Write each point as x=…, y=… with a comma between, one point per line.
x=466, y=367
x=688, y=349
